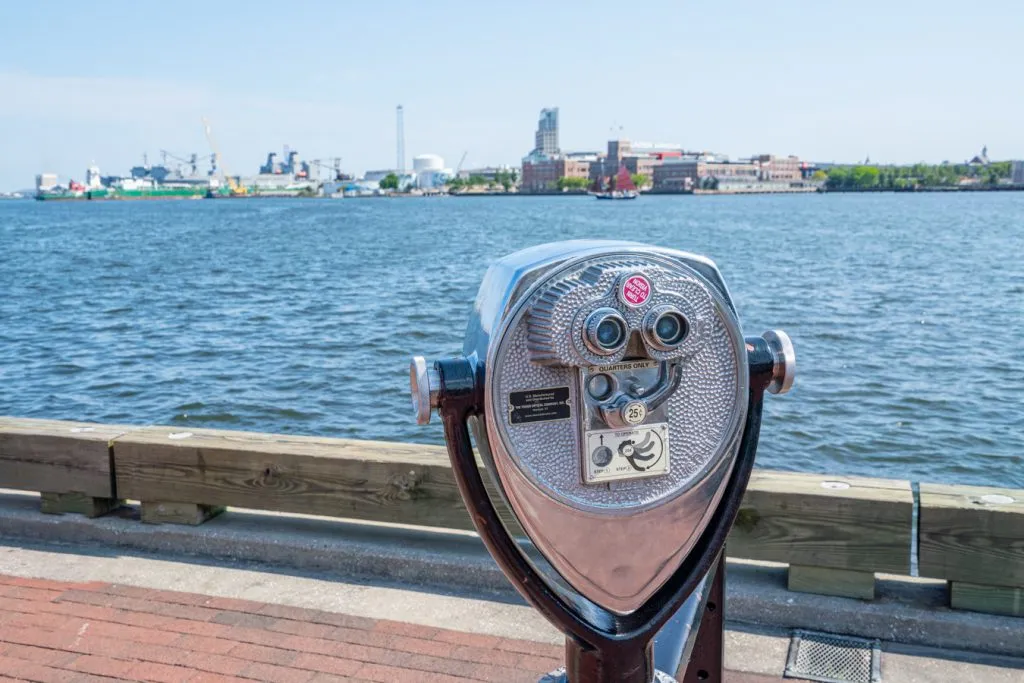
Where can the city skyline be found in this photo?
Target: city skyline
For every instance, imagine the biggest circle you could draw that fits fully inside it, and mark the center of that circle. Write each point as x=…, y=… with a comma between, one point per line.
x=823, y=83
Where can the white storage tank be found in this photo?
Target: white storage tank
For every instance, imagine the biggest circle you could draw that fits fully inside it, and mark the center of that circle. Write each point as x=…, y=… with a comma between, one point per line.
x=427, y=162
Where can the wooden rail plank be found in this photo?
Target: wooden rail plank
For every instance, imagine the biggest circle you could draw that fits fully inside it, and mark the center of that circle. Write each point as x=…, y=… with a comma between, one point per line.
x=827, y=581
x=57, y=457
x=972, y=534
x=369, y=480
x=851, y=523
x=989, y=599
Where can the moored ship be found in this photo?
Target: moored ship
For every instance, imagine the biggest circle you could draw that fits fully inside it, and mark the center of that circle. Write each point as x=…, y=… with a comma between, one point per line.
x=621, y=186
x=145, y=182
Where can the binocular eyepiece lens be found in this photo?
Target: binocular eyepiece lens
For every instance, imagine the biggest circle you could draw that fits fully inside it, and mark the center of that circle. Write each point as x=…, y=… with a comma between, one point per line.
x=610, y=333
x=665, y=328
x=670, y=328
x=604, y=331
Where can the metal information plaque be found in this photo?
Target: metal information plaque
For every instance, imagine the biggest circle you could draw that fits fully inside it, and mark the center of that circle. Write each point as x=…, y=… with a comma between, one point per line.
x=616, y=454
x=539, y=405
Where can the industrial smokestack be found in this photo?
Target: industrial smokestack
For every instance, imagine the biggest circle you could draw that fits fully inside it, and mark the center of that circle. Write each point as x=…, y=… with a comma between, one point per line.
x=401, y=139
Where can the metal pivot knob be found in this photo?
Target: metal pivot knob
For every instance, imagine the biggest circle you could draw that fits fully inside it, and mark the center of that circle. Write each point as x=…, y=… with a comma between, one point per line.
x=785, y=361
x=425, y=382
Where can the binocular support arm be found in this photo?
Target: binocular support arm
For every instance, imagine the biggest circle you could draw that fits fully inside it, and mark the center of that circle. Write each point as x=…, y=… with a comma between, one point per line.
x=621, y=650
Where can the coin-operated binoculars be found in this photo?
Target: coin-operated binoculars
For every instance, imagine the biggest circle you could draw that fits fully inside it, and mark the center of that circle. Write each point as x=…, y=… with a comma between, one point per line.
x=616, y=406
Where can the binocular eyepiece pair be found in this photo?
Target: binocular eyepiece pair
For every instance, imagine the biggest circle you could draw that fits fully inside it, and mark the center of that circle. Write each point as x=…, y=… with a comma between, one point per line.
x=606, y=331
x=616, y=406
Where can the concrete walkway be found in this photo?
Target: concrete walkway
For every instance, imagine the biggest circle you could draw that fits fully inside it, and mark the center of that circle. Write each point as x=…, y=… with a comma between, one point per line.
x=62, y=631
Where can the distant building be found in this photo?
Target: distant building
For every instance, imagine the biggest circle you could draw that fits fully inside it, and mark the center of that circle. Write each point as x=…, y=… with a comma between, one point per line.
x=46, y=181
x=291, y=166
x=686, y=173
x=542, y=175
x=637, y=157
x=546, y=164
x=377, y=176
x=93, y=180
x=546, y=137
x=980, y=159
x=430, y=171
x=1017, y=172
x=780, y=169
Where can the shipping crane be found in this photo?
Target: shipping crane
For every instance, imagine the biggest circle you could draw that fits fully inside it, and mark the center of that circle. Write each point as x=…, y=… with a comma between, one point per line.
x=338, y=175
x=236, y=189
x=461, y=162
x=192, y=161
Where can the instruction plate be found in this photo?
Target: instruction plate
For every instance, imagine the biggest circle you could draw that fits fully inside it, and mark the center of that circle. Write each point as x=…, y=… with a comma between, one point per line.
x=616, y=454
x=539, y=405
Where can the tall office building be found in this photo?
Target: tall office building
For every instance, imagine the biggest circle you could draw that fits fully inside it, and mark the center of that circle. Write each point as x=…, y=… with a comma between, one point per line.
x=547, y=133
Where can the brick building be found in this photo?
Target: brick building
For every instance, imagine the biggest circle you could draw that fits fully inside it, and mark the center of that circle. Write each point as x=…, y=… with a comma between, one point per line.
x=541, y=174
x=780, y=169
x=686, y=173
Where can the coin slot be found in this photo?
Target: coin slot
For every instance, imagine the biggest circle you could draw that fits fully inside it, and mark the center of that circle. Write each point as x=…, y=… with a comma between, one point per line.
x=600, y=386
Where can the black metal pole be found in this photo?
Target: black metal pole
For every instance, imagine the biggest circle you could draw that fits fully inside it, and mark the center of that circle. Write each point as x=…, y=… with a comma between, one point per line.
x=630, y=662
x=706, y=659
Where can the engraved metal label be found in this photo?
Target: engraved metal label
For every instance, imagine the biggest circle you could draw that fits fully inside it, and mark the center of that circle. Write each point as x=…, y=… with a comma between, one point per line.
x=624, y=366
x=614, y=454
x=539, y=405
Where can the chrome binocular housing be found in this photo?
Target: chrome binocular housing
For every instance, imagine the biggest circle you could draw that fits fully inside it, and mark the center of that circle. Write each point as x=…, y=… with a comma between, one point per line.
x=611, y=393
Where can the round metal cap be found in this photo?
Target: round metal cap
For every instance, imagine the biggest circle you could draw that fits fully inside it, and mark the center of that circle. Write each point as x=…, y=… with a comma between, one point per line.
x=424, y=383
x=785, y=361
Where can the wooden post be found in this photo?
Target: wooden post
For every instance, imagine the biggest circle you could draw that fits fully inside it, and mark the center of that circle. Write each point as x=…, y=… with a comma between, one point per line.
x=835, y=532
x=827, y=581
x=178, y=513
x=60, y=503
x=973, y=537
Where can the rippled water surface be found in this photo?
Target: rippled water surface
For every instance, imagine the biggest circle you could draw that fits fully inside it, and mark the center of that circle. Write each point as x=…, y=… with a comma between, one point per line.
x=907, y=313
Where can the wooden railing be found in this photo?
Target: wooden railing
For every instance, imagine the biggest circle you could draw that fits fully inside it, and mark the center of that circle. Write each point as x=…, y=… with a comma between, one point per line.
x=835, y=532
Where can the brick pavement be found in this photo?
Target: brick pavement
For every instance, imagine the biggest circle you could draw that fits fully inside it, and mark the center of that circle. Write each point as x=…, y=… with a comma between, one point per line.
x=56, y=631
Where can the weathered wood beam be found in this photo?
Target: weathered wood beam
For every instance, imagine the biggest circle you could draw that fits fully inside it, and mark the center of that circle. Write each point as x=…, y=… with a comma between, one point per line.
x=973, y=536
x=368, y=480
x=855, y=524
x=70, y=462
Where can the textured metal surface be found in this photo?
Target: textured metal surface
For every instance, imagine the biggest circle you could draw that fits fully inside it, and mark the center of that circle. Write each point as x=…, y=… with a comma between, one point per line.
x=704, y=412
x=831, y=658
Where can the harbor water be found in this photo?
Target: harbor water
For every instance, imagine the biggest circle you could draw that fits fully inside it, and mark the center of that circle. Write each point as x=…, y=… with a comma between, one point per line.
x=299, y=316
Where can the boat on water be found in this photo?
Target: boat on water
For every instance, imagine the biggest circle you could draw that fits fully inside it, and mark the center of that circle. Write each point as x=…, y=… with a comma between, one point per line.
x=131, y=188
x=620, y=186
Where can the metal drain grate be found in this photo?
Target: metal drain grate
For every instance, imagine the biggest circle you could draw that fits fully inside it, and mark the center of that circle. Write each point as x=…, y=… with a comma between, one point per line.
x=833, y=659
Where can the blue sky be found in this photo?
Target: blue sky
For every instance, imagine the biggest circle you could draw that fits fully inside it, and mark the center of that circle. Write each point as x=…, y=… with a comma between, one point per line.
x=900, y=81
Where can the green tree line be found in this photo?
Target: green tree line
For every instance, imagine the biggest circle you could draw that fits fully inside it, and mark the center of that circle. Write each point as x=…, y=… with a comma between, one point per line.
x=863, y=177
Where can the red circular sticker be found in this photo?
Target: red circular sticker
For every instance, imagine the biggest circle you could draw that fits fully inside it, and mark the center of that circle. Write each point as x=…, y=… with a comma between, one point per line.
x=636, y=290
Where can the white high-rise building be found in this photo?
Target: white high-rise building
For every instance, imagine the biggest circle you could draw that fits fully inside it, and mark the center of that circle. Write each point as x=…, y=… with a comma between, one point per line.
x=546, y=138
x=46, y=181
x=1017, y=172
